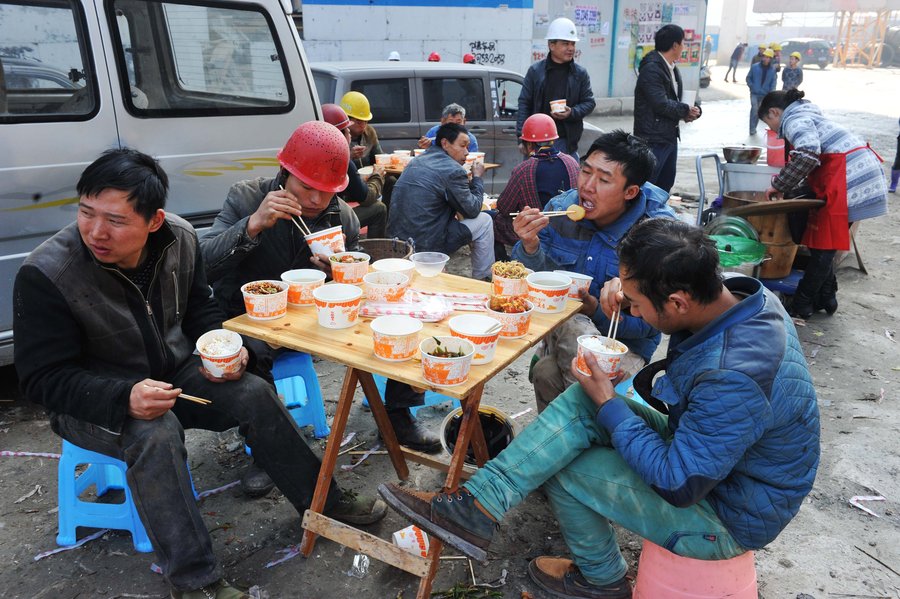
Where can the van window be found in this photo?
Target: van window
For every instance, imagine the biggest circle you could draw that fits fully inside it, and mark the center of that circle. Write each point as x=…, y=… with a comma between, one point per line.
x=44, y=74
x=191, y=60
x=507, y=99
x=468, y=93
x=325, y=85
x=388, y=98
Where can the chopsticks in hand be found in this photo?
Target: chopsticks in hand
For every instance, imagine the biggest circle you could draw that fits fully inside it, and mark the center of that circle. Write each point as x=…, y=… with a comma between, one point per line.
x=614, y=324
x=191, y=398
x=548, y=213
x=298, y=220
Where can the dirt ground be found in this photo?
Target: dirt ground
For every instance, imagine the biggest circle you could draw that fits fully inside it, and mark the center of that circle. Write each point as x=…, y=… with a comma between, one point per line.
x=830, y=550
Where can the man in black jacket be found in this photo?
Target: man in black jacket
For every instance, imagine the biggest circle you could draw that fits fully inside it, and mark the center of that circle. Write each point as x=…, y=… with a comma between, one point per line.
x=107, y=314
x=557, y=77
x=658, y=106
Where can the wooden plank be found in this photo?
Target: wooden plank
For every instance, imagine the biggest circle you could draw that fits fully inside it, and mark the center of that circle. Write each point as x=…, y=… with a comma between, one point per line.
x=432, y=462
x=384, y=424
x=363, y=542
x=300, y=330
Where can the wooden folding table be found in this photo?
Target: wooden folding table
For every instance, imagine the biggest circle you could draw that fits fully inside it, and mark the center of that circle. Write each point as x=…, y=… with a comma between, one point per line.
x=299, y=330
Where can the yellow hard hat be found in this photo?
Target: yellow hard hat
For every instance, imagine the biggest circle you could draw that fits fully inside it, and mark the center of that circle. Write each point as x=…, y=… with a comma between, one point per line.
x=768, y=53
x=796, y=55
x=762, y=46
x=356, y=106
x=776, y=47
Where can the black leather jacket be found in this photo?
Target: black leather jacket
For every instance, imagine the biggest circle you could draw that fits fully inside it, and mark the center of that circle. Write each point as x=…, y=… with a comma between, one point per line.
x=657, y=104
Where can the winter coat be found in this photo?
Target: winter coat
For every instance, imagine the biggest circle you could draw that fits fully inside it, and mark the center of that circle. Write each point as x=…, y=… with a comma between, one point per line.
x=805, y=127
x=232, y=258
x=85, y=334
x=426, y=198
x=579, y=98
x=743, y=412
x=579, y=246
x=657, y=101
x=761, y=81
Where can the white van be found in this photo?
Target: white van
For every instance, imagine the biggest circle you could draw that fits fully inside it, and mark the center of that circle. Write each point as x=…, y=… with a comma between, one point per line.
x=212, y=88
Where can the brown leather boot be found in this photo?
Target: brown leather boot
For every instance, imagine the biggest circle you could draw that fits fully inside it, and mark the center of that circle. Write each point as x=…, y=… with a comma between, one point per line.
x=562, y=578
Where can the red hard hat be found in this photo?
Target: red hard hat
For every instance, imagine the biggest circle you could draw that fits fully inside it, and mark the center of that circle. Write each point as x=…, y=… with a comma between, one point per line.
x=469, y=58
x=434, y=57
x=317, y=154
x=335, y=115
x=539, y=127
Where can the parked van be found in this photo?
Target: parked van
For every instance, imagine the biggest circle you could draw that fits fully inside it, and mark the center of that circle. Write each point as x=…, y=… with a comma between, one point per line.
x=212, y=88
x=407, y=99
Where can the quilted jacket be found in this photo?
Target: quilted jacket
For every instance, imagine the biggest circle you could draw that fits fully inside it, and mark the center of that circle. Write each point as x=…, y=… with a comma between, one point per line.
x=744, y=419
x=582, y=247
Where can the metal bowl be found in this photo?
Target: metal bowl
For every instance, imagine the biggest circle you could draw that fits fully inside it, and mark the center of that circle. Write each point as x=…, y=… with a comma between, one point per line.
x=742, y=154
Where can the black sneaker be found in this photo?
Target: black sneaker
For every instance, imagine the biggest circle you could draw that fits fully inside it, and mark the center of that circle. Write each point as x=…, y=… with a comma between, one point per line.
x=455, y=518
x=255, y=482
x=357, y=509
x=562, y=578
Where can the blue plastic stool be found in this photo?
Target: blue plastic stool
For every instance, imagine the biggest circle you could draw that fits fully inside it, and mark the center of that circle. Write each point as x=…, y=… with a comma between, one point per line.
x=431, y=398
x=106, y=473
x=296, y=380
x=625, y=389
x=786, y=285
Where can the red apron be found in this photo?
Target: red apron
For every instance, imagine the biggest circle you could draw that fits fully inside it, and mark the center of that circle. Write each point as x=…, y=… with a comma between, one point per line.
x=828, y=226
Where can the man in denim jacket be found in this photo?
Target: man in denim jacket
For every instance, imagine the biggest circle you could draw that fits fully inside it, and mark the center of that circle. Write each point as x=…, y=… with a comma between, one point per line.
x=613, y=191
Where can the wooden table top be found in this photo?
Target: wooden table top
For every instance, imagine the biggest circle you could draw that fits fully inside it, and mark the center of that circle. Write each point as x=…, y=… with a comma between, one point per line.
x=393, y=170
x=299, y=330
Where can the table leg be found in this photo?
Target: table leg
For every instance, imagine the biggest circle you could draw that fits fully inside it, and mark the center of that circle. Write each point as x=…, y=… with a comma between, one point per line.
x=326, y=471
x=434, y=555
x=470, y=423
x=384, y=424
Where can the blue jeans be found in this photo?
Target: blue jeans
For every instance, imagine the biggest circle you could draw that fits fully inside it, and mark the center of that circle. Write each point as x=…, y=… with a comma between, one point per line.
x=754, y=108
x=590, y=485
x=666, y=161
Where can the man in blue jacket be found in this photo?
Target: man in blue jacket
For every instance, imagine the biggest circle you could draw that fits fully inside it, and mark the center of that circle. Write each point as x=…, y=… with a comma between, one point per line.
x=612, y=190
x=761, y=79
x=557, y=77
x=657, y=103
x=722, y=473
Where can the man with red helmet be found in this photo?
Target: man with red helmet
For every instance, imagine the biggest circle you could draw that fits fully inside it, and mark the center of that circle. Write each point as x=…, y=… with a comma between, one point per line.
x=434, y=57
x=109, y=311
x=545, y=174
x=365, y=192
x=253, y=238
x=469, y=58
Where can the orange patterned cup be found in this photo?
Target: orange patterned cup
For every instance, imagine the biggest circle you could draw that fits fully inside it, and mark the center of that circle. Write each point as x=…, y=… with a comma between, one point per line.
x=327, y=240
x=548, y=291
x=302, y=281
x=349, y=272
x=385, y=286
x=473, y=328
x=220, y=352
x=395, y=337
x=265, y=306
x=446, y=372
x=337, y=305
x=515, y=325
x=511, y=287
x=579, y=281
x=608, y=353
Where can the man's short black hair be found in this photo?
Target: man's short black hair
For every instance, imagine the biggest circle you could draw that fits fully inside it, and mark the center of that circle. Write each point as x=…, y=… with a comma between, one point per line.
x=450, y=132
x=631, y=152
x=133, y=172
x=664, y=255
x=667, y=36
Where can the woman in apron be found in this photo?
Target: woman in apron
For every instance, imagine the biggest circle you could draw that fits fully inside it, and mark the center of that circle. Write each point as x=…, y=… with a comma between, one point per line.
x=827, y=162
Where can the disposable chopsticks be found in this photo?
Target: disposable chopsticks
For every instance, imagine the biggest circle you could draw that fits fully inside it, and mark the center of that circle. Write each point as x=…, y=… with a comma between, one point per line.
x=613, y=325
x=193, y=398
x=548, y=213
x=298, y=220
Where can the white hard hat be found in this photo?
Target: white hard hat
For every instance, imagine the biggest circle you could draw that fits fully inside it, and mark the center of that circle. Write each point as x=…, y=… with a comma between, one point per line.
x=562, y=29
x=394, y=55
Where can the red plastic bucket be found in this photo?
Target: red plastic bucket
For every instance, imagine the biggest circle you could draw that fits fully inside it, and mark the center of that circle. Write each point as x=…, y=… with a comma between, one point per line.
x=774, y=149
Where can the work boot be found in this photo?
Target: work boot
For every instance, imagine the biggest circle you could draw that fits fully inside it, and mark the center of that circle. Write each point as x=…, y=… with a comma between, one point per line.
x=826, y=299
x=455, y=518
x=217, y=590
x=412, y=433
x=357, y=509
x=562, y=578
x=801, y=306
x=255, y=482
x=895, y=176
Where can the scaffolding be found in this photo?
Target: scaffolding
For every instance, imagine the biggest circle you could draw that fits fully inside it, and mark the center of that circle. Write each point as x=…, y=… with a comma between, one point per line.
x=860, y=39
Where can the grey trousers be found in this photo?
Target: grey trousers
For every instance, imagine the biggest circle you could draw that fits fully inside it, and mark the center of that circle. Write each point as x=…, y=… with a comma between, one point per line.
x=552, y=373
x=157, y=472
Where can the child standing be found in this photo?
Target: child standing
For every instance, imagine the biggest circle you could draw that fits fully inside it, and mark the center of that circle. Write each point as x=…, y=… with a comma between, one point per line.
x=792, y=75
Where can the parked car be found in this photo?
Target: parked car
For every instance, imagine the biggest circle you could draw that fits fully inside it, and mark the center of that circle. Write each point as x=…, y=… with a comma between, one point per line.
x=813, y=51
x=212, y=88
x=407, y=99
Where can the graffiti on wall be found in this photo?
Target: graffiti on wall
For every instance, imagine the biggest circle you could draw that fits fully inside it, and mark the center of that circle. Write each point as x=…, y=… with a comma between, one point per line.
x=487, y=52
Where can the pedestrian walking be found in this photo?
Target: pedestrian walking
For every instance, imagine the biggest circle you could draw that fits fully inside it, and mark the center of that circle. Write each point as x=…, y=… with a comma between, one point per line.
x=736, y=56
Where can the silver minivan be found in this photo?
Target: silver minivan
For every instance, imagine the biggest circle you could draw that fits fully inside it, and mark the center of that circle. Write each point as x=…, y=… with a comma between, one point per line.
x=407, y=99
x=212, y=88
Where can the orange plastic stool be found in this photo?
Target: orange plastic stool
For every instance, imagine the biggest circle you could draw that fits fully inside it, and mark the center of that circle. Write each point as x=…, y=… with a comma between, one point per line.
x=661, y=574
